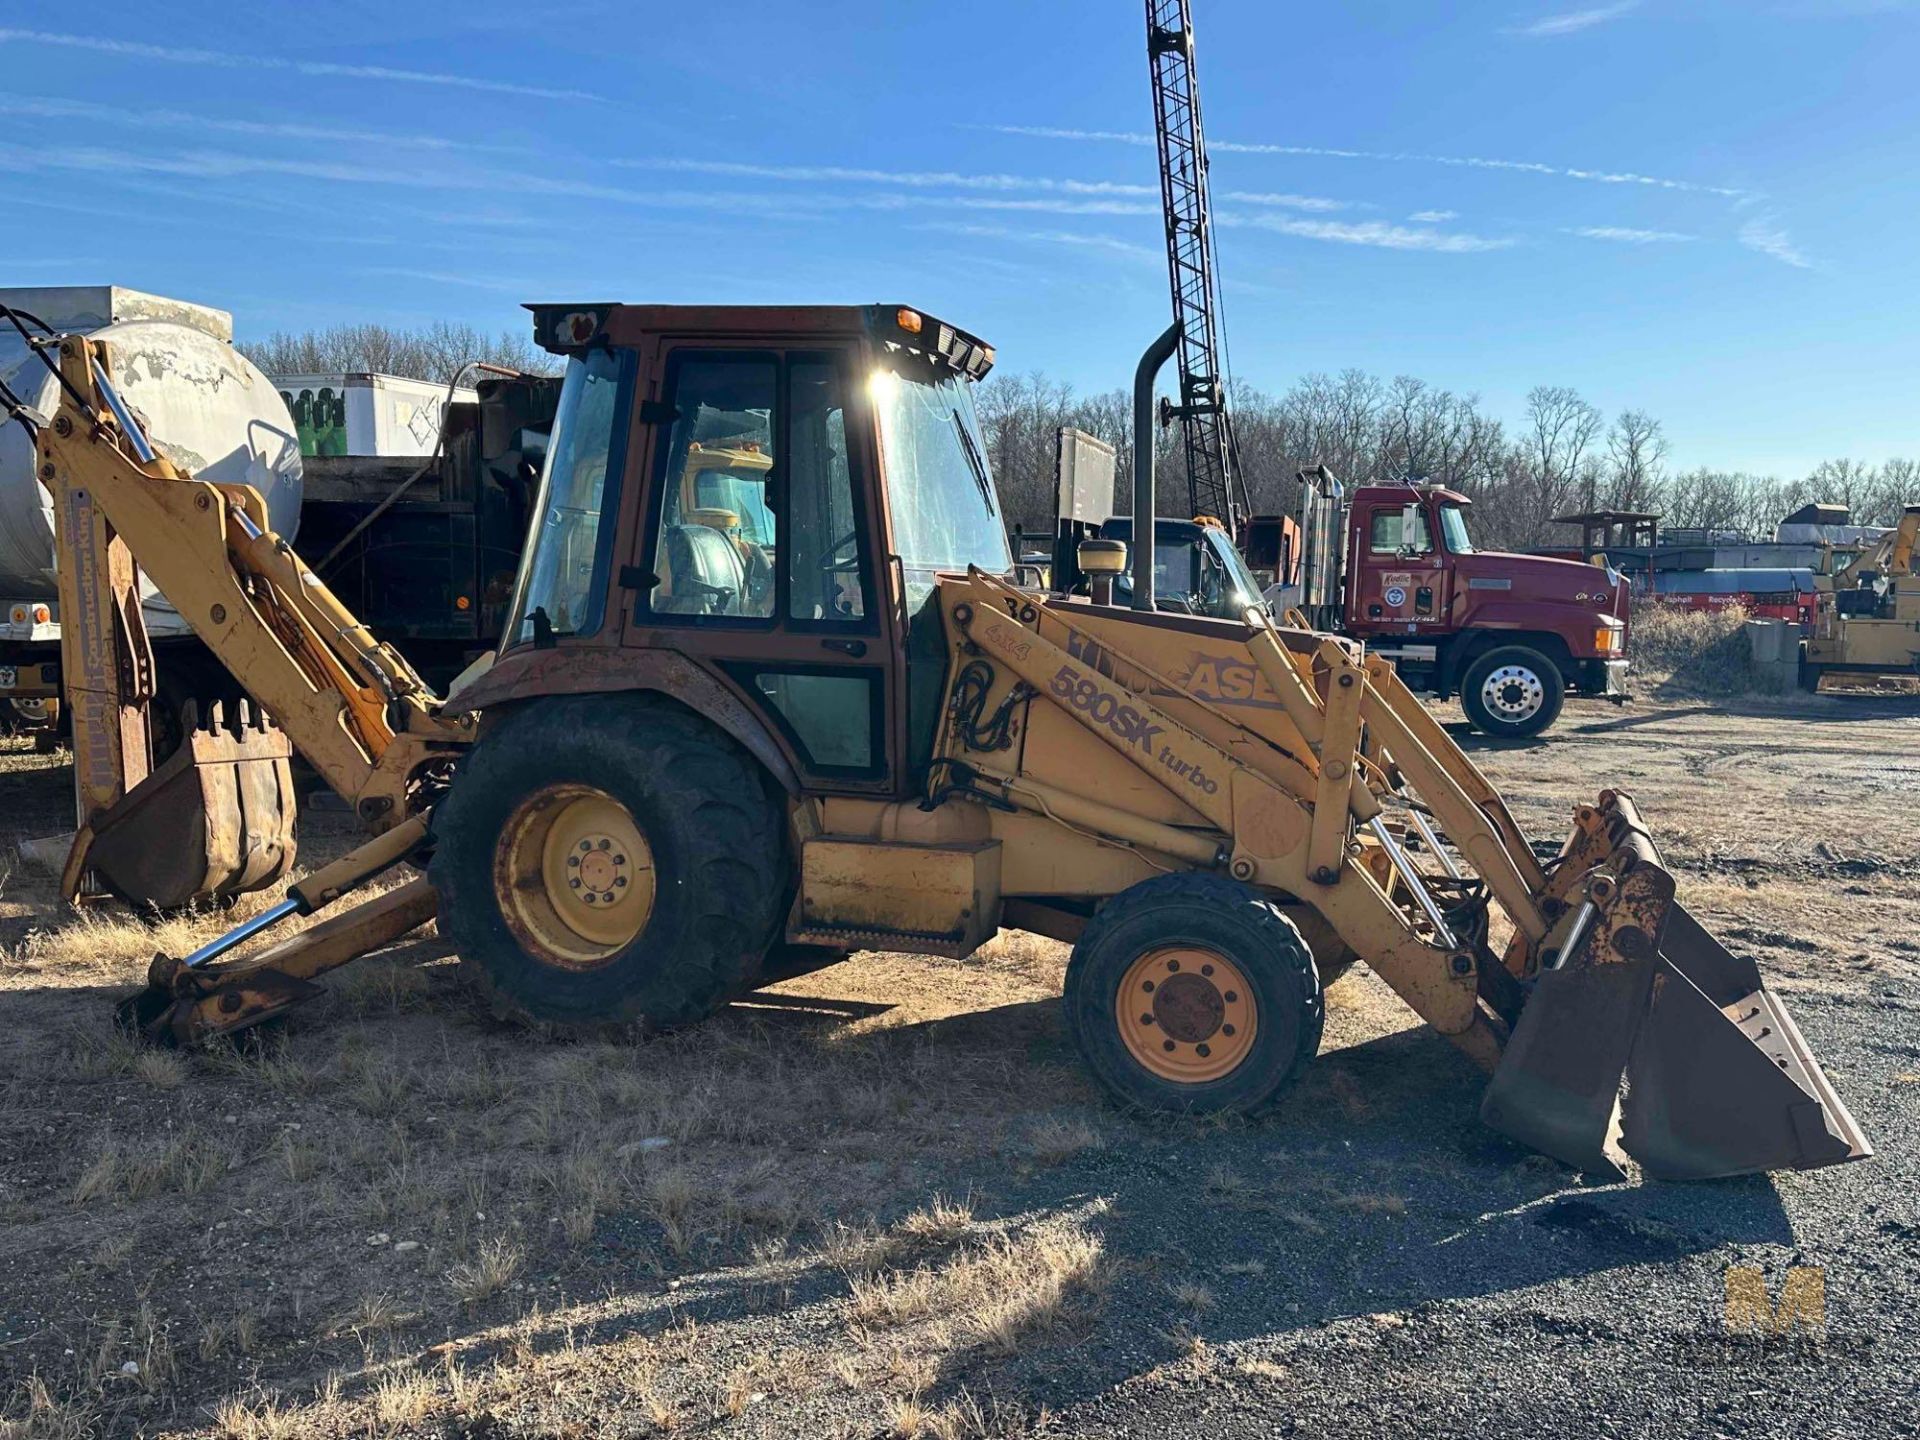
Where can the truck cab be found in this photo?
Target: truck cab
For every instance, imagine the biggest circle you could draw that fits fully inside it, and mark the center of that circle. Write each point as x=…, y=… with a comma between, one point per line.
x=1511, y=634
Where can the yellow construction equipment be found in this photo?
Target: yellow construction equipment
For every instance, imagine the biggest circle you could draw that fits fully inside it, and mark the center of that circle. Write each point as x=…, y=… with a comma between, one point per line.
x=710, y=752
x=1866, y=633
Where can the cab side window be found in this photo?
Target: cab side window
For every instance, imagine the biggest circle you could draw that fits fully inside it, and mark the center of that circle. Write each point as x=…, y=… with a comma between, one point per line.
x=718, y=541
x=1390, y=536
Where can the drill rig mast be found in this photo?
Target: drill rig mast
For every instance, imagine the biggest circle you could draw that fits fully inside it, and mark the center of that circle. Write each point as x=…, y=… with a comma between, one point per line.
x=1213, y=470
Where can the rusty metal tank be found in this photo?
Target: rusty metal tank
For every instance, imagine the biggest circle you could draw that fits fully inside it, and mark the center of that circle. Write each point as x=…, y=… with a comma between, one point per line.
x=205, y=405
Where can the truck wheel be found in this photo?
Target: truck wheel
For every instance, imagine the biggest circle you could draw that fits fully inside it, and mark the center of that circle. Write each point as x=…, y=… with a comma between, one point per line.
x=1512, y=692
x=1193, y=994
x=611, y=860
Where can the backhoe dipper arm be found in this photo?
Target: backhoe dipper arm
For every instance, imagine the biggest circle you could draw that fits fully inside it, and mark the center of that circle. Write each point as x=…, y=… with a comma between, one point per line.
x=352, y=706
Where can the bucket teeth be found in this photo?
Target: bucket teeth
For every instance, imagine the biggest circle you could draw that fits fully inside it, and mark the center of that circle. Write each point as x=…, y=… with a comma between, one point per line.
x=1717, y=1077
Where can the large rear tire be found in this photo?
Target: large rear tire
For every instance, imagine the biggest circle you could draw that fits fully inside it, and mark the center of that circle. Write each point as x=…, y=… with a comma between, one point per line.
x=1194, y=994
x=1513, y=692
x=609, y=860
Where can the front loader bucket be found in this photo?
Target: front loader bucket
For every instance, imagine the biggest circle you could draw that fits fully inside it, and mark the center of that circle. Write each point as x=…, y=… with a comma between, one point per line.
x=215, y=819
x=1718, y=1080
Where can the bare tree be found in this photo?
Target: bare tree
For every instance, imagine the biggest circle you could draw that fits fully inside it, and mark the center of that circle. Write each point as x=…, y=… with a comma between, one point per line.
x=432, y=352
x=1560, y=432
x=1637, y=448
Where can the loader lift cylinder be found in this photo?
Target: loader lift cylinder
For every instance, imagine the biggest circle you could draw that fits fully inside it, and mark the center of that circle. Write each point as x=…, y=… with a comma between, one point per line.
x=1144, y=375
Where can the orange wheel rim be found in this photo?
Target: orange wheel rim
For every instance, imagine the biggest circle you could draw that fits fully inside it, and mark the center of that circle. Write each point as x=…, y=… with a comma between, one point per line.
x=1186, y=1013
x=574, y=876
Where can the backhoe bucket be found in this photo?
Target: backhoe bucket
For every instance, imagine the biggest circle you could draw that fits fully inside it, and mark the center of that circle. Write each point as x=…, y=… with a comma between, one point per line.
x=215, y=819
x=1718, y=1080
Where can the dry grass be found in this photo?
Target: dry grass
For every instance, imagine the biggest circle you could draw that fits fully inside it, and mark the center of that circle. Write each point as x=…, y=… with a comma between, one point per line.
x=995, y=1295
x=1701, y=652
x=759, y=1213
x=1059, y=1138
x=495, y=1265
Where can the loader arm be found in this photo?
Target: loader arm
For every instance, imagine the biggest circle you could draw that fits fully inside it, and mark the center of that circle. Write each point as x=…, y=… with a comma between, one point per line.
x=1269, y=809
x=1607, y=985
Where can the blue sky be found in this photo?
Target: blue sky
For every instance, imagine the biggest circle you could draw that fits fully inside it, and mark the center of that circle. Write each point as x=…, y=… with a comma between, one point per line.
x=1706, y=209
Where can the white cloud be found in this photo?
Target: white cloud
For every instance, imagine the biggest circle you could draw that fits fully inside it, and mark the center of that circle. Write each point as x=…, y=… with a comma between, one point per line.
x=182, y=55
x=1571, y=22
x=1766, y=237
x=1103, y=243
x=1628, y=236
x=447, y=277
x=1434, y=217
x=943, y=179
x=1371, y=232
x=956, y=180
x=42, y=107
x=1471, y=162
x=1055, y=132
x=1286, y=202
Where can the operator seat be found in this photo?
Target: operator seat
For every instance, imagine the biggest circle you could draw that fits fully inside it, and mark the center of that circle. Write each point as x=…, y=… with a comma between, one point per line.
x=709, y=576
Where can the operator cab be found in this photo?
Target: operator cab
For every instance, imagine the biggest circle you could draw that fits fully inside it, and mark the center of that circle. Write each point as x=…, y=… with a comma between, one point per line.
x=764, y=495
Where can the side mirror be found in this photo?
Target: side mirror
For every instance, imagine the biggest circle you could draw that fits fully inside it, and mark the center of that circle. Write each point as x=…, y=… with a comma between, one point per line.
x=1409, y=529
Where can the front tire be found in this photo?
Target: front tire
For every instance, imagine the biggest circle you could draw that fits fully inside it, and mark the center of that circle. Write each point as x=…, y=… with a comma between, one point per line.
x=608, y=860
x=1193, y=994
x=1512, y=692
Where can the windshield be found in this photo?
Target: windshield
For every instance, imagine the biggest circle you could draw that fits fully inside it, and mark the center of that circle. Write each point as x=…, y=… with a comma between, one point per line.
x=945, y=516
x=1205, y=573
x=564, y=571
x=1453, y=529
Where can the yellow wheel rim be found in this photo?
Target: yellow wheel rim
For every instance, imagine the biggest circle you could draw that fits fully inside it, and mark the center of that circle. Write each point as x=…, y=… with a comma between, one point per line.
x=574, y=876
x=1186, y=1014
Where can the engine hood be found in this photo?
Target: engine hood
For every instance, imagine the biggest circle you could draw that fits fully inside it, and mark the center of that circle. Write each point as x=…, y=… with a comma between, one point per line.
x=1544, y=580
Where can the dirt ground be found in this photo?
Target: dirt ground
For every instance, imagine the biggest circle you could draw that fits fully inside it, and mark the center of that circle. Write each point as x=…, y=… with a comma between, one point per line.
x=885, y=1200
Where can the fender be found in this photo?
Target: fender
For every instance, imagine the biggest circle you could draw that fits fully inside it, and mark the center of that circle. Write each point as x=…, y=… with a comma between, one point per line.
x=529, y=673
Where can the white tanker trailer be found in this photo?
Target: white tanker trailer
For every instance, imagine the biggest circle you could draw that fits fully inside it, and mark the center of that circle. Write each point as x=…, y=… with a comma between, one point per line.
x=207, y=408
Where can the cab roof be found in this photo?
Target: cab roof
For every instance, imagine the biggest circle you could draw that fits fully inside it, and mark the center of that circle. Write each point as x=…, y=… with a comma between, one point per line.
x=567, y=328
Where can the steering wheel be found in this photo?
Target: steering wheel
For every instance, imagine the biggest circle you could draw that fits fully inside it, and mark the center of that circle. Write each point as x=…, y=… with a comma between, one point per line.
x=833, y=563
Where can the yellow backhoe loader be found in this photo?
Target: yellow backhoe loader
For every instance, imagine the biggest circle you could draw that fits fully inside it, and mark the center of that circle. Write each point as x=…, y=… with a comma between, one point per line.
x=709, y=752
x=1866, y=630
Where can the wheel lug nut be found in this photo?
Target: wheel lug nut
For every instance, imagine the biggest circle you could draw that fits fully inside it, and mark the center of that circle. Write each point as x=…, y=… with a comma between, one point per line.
x=1204, y=1051
x=1231, y=997
x=573, y=862
x=619, y=879
x=586, y=844
x=1167, y=1046
x=619, y=859
x=1173, y=964
x=1226, y=1029
x=1146, y=1019
x=1206, y=969
x=575, y=883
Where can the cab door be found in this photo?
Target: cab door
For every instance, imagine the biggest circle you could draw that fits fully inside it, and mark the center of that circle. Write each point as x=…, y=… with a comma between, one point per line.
x=757, y=558
x=1399, y=571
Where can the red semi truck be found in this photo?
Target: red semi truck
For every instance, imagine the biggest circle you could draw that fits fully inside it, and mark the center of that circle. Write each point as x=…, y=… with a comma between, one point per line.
x=1512, y=635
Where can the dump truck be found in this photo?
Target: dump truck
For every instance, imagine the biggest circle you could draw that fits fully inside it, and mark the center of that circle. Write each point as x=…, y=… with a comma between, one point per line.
x=691, y=767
